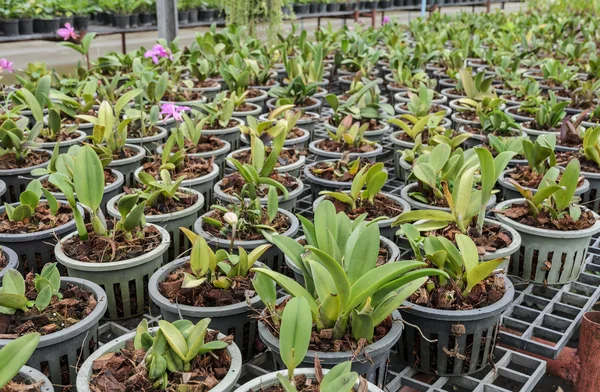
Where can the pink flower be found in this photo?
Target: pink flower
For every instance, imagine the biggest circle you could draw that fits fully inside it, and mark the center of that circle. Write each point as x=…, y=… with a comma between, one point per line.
x=6, y=66
x=171, y=110
x=158, y=51
x=67, y=32
x=386, y=20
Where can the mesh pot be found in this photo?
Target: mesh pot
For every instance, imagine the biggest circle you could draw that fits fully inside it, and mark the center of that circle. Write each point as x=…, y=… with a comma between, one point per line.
x=385, y=225
x=307, y=124
x=32, y=376
x=321, y=155
x=128, y=166
x=124, y=281
x=12, y=260
x=548, y=256
x=227, y=384
x=289, y=204
x=399, y=146
x=254, y=112
x=464, y=339
x=217, y=155
x=236, y=319
x=34, y=250
x=260, y=99
x=68, y=348
x=170, y=222
x=591, y=198
x=270, y=379
x=16, y=180
x=273, y=257
x=374, y=136
x=393, y=250
x=293, y=169
x=510, y=192
x=371, y=363
x=208, y=92
x=64, y=146
x=231, y=135
x=150, y=143
x=476, y=139
x=299, y=143
x=417, y=205
x=315, y=107
x=203, y=184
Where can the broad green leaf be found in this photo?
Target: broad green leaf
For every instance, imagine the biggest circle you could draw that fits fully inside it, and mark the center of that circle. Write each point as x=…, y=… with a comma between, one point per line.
x=337, y=273
x=468, y=251
x=15, y=355
x=88, y=178
x=363, y=253
x=481, y=271
x=175, y=339
x=295, y=331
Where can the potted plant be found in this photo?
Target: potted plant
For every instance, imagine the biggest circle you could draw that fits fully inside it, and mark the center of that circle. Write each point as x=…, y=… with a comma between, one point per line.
x=171, y=350
x=82, y=103
x=241, y=108
x=296, y=138
x=237, y=79
x=219, y=284
x=421, y=104
x=138, y=247
x=403, y=78
x=15, y=375
x=296, y=93
x=555, y=231
x=200, y=79
x=42, y=296
x=495, y=122
x=221, y=123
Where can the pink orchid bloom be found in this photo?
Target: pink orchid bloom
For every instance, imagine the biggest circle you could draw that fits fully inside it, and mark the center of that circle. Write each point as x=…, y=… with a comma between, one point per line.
x=67, y=32
x=6, y=66
x=386, y=20
x=158, y=51
x=171, y=110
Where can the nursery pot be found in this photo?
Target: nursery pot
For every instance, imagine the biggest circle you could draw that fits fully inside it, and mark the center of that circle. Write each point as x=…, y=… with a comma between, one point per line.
x=12, y=260
x=270, y=379
x=150, y=143
x=417, y=205
x=293, y=169
x=217, y=155
x=125, y=278
x=273, y=257
x=231, y=135
x=64, y=146
x=321, y=155
x=509, y=191
x=371, y=362
x=81, y=22
x=170, y=222
x=399, y=146
x=34, y=250
x=373, y=136
x=236, y=319
x=202, y=184
x=10, y=27
x=206, y=15
x=591, y=198
x=128, y=166
x=16, y=180
x=548, y=256
x=299, y=143
x=227, y=384
x=260, y=100
x=385, y=225
x=254, y=112
x=289, y=204
x=208, y=92
x=307, y=124
x=183, y=17
x=315, y=107
x=70, y=346
x=32, y=376
x=122, y=21
x=26, y=26
x=453, y=332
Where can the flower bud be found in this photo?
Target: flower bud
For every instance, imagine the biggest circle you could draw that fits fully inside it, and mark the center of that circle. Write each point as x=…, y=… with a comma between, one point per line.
x=230, y=218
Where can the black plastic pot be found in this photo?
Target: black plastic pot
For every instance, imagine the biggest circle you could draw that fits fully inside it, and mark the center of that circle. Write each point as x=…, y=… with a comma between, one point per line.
x=102, y=18
x=372, y=5
x=193, y=16
x=398, y=3
x=145, y=18
x=122, y=21
x=81, y=22
x=38, y=26
x=65, y=20
x=183, y=16
x=300, y=9
x=25, y=26
x=134, y=20
x=206, y=15
x=385, y=4
x=51, y=25
x=313, y=8
x=333, y=7
x=10, y=27
x=322, y=8
x=285, y=10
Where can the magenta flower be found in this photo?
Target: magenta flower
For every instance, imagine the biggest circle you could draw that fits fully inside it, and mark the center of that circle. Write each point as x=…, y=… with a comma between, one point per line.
x=157, y=52
x=6, y=66
x=386, y=20
x=67, y=32
x=171, y=110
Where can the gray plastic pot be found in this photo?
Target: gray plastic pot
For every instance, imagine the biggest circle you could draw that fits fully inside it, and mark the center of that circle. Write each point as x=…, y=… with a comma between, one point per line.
x=385, y=225
x=374, y=136
x=591, y=198
x=231, y=135
x=273, y=257
x=509, y=191
x=260, y=100
x=299, y=276
x=16, y=180
x=417, y=205
x=398, y=109
x=565, y=251
x=69, y=347
x=321, y=155
x=208, y=92
x=110, y=190
x=203, y=184
x=237, y=319
x=316, y=107
x=451, y=330
x=475, y=138
x=32, y=376
x=306, y=124
x=126, y=277
x=299, y=143
x=150, y=143
x=293, y=169
x=534, y=133
x=64, y=146
x=371, y=363
x=128, y=166
x=227, y=384
x=87, y=128
x=270, y=379
x=512, y=111
x=12, y=260
x=450, y=96
x=34, y=250
x=399, y=146
x=170, y=222
x=255, y=112
x=217, y=155
x=289, y=204
x=438, y=98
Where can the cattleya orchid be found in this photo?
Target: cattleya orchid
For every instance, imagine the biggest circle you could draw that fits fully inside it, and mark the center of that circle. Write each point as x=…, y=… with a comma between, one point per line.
x=171, y=110
x=6, y=66
x=157, y=52
x=67, y=32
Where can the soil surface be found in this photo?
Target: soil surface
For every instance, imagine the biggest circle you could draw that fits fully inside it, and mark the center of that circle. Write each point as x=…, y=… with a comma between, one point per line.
x=233, y=183
x=182, y=96
x=126, y=370
x=333, y=146
x=75, y=305
x=491, y=239
x=535, y=126
x=521, y=213
x=382, y=206
x=41, y=220
x=587, y=166
x=99, y=249
x=525, y=177
x=280, y=224
x=217, y=126
x=109, y=178
x=3, y=261
x=164, y=205
x=207, y=143
x=124, y=153
x=134, y=131
x=338, y=171
x=20, y=384
x=58, y=137
x=286, y=156
x=205, y=295
x=34, y=158
x=193, y=167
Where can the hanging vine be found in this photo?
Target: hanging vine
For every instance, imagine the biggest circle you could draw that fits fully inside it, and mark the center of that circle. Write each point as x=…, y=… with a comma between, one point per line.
x=252, y=13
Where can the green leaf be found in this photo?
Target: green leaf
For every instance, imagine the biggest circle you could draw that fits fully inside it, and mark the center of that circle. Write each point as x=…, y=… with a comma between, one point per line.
x=43, y=298
x=13, y=282
x=337, y=272
x=15, y=355
x=430, y=215
x=175, y=339
x=362, y=326
x=363, y=253
x=295, y=331
x=13, y=301
x=468, y=250
x=272, y=203
x=336, y=372
x=481, y=271
x=195, y=339
x=141, y=328
x=134, y=218
x=394, y=300
x=29, y=198
x=88, y=178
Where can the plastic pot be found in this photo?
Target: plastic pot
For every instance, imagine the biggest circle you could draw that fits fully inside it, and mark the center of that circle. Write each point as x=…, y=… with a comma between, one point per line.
x=206, y=15
x=183, y=17
x=385, y=225
x=32, y=376
x=217, y=155
x=254, y=112
x=417, y=205
x=26, y=26
x=12, y=260
x=134, y=20
x=208, y=92
x=292, y=169
x=398, y=109
x=122, y=21
x=128, y=166
x=399, y=146
x=371, y=363
x=510, y=192
x=231, y=135
x=16, y=180
x=315, y=107
x=591, y=198
x=10, y=27
x=374, y=136
x=34, y=250
x=321, y=155
x=548, y=256
x=270, y=379
x=452, y=331
x=81, y=22
x=438, y=99
x=236, y=319
x=64, y=146
x=227, y=384
x=299, y=143
x=50, y=25
x=479, y=138
x=259, y=100
x=126, y=278
x=534, y=133
x=273, y=257
x=66, y=349
x=306, y=124
x=150, y=143
x=289, y=204
x=512, y=111
x=193, y=16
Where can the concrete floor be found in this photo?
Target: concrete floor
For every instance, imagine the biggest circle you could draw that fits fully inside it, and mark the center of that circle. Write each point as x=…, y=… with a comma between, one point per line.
x=63, y=59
